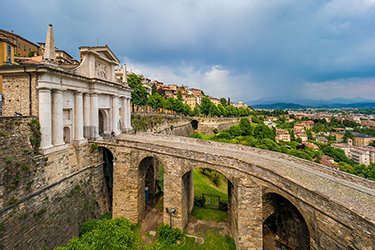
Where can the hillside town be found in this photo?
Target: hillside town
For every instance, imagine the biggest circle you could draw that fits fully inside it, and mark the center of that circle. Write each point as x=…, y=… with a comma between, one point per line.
x=352, y=133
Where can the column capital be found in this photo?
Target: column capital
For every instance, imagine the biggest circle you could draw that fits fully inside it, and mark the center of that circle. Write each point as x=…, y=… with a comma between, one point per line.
x=78, y=92
x=44, y=89
x=58, y=91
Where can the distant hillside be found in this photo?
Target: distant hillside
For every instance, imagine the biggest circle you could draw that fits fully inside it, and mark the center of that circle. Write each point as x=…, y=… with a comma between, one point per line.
x=367, y=105
x=283, y=105
x=279, y=105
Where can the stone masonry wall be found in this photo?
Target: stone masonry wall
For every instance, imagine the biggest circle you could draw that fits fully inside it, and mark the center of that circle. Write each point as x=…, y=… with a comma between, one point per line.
x=16, y=98
x=207, y=125
x=45, y=199
x=325, y=202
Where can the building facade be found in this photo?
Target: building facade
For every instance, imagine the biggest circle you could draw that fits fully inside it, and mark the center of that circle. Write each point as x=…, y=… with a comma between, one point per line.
x=72, y=104
x=23, y=47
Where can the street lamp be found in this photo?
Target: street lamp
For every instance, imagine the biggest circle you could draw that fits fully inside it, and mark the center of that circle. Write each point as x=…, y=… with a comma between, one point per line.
x=171, y=211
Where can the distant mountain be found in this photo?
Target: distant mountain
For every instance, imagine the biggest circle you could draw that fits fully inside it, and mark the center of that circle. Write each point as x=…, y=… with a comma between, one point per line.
x=279, y=105
x=283, y=105
x=273, y=103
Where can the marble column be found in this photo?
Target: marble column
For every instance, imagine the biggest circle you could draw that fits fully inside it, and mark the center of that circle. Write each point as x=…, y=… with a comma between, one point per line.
x=57, y=118
x=115, y=115
x=86, y=115
x=123, y=113
x=45, y=118
x=78, y=116
x=94, y=116
x=128, y=115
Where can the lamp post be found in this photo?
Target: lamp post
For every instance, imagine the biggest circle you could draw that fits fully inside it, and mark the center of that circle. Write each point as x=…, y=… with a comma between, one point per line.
x=170, y=211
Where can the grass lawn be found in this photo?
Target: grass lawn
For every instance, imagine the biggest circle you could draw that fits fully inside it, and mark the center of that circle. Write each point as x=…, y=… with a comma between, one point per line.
x=209, y=214
x=204, y=184
x=212, y=240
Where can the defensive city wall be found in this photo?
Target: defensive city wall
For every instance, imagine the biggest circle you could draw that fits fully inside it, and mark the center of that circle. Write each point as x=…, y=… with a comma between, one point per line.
x=45, y=199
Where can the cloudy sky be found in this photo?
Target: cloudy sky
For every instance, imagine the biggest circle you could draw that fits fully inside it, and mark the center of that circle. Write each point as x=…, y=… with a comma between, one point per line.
x=245, y=49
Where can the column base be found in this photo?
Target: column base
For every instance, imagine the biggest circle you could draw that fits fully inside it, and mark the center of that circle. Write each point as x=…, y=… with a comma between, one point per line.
x=53, y=149
x=79, y=142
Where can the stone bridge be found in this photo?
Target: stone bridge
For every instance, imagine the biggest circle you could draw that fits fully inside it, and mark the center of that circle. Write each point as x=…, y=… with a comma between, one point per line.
x=312, y=206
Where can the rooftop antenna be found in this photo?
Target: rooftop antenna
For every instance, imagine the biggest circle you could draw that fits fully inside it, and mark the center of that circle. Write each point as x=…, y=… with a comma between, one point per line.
x=97, y=41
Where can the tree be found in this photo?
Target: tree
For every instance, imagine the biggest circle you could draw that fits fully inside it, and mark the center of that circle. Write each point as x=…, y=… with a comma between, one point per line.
x=205, y=106
x=105, y=234
x=223, y=101
x=139, y=93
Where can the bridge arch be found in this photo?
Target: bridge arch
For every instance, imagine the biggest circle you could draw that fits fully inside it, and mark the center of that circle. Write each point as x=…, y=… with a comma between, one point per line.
x=150, y=176
x=283, y=224
x=187, y=193
x=107, y=159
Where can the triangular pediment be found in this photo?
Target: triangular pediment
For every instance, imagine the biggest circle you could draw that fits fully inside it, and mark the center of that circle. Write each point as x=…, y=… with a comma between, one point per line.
x=104, y=52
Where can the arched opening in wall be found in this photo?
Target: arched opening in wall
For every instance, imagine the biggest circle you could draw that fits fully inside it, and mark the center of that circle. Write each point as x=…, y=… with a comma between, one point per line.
x=67, y=135
x=107, y=159
x=283, y=225
x=151, y=188
x=102, y=121
x=194, y=124
x=208, y=199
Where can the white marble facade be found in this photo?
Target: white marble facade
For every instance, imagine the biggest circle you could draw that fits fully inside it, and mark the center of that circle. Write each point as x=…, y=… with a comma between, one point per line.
x=85, y=102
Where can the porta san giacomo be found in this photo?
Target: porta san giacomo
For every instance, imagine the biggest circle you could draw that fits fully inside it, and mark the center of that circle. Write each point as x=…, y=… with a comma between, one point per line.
x=61, y=184
x=70, y=158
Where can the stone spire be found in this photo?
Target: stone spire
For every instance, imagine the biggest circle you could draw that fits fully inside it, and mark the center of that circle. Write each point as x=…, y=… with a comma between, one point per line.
x=49, y=48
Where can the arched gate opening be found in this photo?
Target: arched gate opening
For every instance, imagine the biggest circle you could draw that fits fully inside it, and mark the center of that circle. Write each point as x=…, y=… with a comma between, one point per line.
x=150, y=189
x=284, y=226
x=107, y=159
x=194, y=124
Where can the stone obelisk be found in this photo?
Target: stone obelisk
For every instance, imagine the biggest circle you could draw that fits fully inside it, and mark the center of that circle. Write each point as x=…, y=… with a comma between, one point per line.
x=49, y=48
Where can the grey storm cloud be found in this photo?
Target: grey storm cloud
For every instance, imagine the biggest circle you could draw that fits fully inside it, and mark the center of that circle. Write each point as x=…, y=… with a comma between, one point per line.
x=247, y=49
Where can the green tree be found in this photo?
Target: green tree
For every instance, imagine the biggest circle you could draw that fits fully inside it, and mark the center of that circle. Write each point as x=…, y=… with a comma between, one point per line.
x=139, y=94
x=205, y=107
x=106, y=234
x=223, y=101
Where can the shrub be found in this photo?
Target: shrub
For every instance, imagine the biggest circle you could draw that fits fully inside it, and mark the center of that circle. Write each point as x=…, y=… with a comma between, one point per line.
x=94, y=147
x=215, y=180
x=36, y=136
x=168, y=235
x=105, y=234
x=197, y=136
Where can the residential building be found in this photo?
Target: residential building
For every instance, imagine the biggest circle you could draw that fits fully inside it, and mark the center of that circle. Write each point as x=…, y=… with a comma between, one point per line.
x=360, y=155
x=23, y=47
x=282, y=135
x=214, y=100
x=191, y=100
x=339, y=136
x=299, y=127
x=62, y=57
x=321, y=139
x=7, y=48
x=345, y=147
x=362, y=139
x=301, y=135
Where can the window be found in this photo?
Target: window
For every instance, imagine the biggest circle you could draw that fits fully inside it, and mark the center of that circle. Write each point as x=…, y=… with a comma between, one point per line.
x=24, y=47
x=9, y=54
